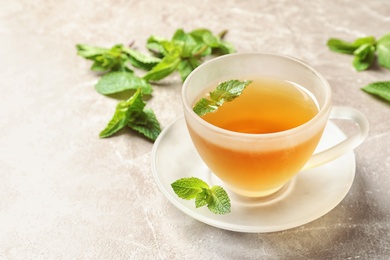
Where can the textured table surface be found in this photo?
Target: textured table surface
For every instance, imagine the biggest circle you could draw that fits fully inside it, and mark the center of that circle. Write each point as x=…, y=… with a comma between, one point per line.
x=66, y=194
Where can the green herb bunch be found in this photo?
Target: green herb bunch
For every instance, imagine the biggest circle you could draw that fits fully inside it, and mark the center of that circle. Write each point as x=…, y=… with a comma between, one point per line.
x=118, y=66
x=365, y=51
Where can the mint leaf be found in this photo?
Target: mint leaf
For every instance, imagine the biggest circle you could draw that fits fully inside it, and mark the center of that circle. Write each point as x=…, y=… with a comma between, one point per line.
x=186, y=66
x=186, y=41
x=167, y=65
x=156, y=45
x=202, y=198
x=220, y=202
x=383, y=51
x=204, y=106
x=147, y=124
x=211, y=40
x=341, y=46
x=217, y=44
x=199, y=33
x=365, y=40
x=201, y=50
x=189, y=188
x=132, y=113
x=229, y=90
x=140, y=60
x=226, y=47
x=89, y=52
x=126, y=111
x=381, y=89
x=225, y=92
x=214, y=42
x=113, y=59
x=216, y=198
x=364, y=57
x=118, y=81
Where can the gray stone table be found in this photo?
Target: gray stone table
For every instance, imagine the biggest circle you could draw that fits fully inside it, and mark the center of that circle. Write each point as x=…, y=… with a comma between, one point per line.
x=66, y=194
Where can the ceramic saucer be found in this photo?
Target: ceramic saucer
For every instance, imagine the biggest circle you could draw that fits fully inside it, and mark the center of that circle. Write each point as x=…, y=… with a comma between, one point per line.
x=310, y=195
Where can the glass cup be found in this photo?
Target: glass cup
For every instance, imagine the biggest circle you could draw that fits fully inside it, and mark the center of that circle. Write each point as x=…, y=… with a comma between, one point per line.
x=246, y=166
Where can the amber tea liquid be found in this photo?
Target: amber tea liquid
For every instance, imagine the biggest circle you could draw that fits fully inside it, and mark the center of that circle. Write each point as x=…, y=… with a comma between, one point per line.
x=266, y=106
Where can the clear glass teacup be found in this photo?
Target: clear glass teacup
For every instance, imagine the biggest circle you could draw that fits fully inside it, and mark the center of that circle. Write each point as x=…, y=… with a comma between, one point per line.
x=259, y=164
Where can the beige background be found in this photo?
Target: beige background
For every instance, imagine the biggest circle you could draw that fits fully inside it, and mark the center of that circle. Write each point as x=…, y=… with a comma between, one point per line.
x=66, y=194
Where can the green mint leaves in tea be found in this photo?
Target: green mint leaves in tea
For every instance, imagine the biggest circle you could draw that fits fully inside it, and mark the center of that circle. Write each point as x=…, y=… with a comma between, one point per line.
x=225, y=92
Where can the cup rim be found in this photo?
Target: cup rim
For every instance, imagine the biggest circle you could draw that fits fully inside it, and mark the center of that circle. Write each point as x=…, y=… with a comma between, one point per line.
x=321, y=113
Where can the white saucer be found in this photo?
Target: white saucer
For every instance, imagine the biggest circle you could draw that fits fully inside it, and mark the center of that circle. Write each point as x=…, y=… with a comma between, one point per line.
x=310, y=195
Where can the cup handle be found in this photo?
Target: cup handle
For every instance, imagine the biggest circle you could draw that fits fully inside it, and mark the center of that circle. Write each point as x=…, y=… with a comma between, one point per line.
x=346, y=145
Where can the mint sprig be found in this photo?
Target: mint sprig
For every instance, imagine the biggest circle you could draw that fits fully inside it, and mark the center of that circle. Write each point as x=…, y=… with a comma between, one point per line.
x=118, y=65
x=216, y=198
x=225, y=92
x=132, y=113
x=105, y=60
x=364, y=50
x=184, y=52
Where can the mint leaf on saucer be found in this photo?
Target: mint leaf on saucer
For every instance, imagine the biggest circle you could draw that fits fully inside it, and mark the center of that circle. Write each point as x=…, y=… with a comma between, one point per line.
x=188, y=188
x=220, y=202
x=201, y=198
x=225, y=92
x=216, y=198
